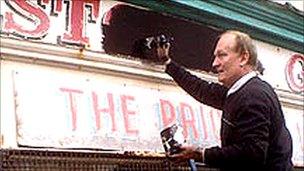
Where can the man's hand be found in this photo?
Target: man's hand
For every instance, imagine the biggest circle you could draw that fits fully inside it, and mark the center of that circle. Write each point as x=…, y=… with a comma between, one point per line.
x=187, y=152
x=163, y=52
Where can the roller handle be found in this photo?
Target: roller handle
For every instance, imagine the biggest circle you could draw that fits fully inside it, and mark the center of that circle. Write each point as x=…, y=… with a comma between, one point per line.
x=192, y=165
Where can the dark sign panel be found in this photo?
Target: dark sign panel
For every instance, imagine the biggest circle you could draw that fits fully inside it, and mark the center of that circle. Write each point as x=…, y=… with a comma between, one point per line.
x=126, y=28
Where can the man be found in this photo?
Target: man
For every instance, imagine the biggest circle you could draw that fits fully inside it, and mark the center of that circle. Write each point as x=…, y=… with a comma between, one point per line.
x=253, y=131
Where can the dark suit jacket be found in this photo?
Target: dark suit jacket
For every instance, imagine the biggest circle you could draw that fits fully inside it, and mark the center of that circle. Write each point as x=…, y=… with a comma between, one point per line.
x=253, y=131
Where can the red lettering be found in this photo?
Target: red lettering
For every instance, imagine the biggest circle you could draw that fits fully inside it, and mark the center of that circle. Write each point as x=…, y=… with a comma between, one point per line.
x=73, y=104
x=204, y=123
x=58, y=5
x=126, y=113
x=188, y=122
x=32, y=13
x=294, y=76
x=167, y=112
x=109, y=110
x=76, y=32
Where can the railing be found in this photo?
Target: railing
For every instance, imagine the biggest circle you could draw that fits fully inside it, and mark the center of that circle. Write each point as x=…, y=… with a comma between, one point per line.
x=44, y=160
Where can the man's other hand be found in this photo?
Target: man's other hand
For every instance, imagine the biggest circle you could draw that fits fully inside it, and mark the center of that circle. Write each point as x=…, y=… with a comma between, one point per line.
x=186, y=153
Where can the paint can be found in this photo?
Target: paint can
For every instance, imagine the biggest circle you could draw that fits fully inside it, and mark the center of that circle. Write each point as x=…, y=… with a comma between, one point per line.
x=172, y=138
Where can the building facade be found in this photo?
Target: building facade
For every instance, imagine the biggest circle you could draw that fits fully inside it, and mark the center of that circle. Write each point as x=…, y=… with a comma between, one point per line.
x=78, y=76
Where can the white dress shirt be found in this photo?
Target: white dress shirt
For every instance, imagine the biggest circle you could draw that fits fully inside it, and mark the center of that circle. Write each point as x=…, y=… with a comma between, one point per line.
x=239, y=83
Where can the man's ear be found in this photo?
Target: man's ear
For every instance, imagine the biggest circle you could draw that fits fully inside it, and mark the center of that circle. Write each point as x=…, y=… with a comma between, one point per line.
x=244, y=58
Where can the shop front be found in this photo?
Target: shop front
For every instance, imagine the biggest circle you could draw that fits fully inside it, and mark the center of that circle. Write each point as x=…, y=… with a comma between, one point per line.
x=81, y=89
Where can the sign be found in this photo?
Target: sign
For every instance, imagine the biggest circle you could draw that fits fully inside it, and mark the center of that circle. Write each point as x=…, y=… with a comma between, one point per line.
x=109, y=27
x=67, y=23
x=295, y=73
x=76, y=111
x=81, y=110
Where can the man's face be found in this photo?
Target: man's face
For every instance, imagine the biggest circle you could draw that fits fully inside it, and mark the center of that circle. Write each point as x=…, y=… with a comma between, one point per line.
x=227, y=62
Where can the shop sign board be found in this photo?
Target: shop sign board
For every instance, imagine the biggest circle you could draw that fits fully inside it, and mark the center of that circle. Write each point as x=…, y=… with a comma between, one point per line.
x=79, y=110
x=86, y=24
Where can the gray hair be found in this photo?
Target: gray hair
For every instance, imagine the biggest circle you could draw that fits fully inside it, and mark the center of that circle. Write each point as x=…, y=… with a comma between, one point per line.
x=244, y=44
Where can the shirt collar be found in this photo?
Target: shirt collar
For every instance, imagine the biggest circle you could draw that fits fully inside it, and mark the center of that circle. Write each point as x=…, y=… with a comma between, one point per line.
x=239, y=83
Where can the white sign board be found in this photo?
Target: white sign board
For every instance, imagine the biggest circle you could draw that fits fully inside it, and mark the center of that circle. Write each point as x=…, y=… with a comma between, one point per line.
x=78, y=110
